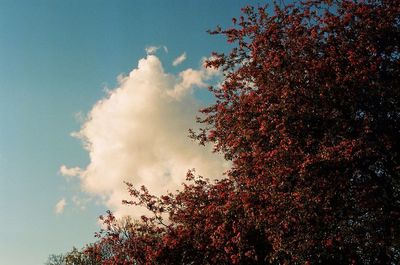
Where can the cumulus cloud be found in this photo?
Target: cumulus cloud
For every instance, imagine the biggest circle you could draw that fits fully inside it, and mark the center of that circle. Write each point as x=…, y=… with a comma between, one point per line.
x=60, y=206
x=180, y=59
x=138, y=133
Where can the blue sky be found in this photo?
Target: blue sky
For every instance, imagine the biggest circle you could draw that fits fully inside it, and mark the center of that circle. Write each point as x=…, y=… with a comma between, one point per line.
x=57, y=58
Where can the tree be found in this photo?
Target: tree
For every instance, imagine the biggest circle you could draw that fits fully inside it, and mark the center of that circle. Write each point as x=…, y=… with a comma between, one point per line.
x=73, y=257
x=54, y=259
x=309, y=114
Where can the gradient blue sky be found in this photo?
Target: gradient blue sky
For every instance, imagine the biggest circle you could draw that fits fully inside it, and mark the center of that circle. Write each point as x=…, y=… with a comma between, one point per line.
x=56, y=57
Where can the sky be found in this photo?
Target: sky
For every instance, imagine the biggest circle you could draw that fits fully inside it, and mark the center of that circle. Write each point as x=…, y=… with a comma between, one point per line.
x=94, y=93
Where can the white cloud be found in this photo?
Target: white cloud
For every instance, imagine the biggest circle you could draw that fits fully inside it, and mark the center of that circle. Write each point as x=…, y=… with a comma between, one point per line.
x=69, y=172
x=180, y=59
x=60, y=206
x=153, y=49
x=138, y=133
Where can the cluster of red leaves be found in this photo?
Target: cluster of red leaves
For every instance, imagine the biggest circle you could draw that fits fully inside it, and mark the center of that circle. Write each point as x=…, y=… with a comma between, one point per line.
x=309, y=115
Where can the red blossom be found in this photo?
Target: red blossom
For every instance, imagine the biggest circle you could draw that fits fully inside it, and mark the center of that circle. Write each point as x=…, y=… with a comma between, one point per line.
x=309, y=116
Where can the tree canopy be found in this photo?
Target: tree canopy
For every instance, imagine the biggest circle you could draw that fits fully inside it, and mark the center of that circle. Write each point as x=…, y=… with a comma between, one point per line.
x=308, y=113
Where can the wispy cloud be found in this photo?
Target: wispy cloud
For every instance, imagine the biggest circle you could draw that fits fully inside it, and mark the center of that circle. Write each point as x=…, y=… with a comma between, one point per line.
x=69, y=172
x=60, y=206
x=80, y=202
x=180, y=59
x=153, y=49
x=79, y=116
x=138, y=133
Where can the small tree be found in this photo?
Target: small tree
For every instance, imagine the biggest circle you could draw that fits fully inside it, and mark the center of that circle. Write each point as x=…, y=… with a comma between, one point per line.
x=309, y=115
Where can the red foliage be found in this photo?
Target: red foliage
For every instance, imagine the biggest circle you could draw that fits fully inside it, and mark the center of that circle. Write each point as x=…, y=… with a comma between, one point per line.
x=309, y=116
